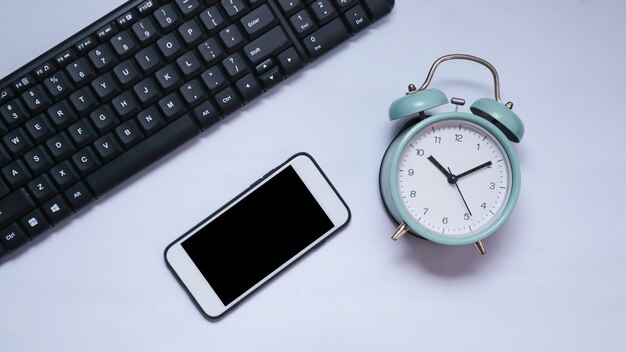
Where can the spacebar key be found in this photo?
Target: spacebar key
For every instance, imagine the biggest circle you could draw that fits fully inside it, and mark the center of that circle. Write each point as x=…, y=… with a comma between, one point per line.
x=142, y=155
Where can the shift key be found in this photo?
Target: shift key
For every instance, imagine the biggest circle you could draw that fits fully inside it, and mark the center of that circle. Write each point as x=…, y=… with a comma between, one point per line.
x=266, y=45
x=326, y=38
x=13, y=206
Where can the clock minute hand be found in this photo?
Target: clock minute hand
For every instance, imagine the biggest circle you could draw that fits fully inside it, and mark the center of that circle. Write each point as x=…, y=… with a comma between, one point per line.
x=481, y=166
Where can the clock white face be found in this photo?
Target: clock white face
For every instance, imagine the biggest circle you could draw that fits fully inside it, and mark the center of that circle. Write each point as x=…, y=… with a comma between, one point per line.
x=454, y=178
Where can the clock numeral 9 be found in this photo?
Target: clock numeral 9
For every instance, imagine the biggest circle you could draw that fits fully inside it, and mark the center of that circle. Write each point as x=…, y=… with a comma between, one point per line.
x=444, y=220
x=411, y=172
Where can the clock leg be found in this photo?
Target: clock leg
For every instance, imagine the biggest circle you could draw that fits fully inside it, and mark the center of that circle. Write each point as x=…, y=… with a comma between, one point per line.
x=481, y=247
x=401, y=231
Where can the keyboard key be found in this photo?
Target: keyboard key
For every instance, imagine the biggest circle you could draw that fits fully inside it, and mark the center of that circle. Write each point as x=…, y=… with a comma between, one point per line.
x=15, y=205
x=6, y=94
x=145, y=31
x=324, y=11
x=249, y=87
x=189, y=65
x=106, y=32
x=57, y=210
x=193, y=93
x=78, y=196
x=39, y=128
x=102, y=58
x=62, y=115
x=146, y=7
x=189, y=8
x=326, y=38
x=290, y=7
x=84, y=101
x=126, y=105
x=123, y=44
x=150, y=120
x=38, y=160
x=82, y=133
x=345, y=4
x=23, y=83
x=191, y=33
x=34, y=223
x=264, y=66
x=170, y=47
x=228, y=101
x=107, y=148
x=258, y=21
x=86, y=161
x=63, y=174
x=235, y=66
x=357, y=19
x=232, y=38
x=234, y=8
x=42, y=188
x=13, y=237
x=17, y=142
x=80, y=72
x=36, y=99
x=290, y=61
x=272, y=78
x=129, y=134
x=268, y=44
x=127, y=73
x=302, y=23
x=4, y=158
x=212, y=20
x=211, y=52
x=142, y=155
x=167, y=18
x=85, y=45
x=105, y=87
x=168, y=78
x=14, y=114
x=16, y=174
x=214, y=79
x=58, y=85
x=206, y=114
x=60, y=146
x=126, y=20
x=172, y=106
x=104, y=119
x=147, y=91
x=43, y=71
x=149, y=60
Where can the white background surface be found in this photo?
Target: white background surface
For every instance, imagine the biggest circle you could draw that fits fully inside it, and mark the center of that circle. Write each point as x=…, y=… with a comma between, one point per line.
x=554, y=277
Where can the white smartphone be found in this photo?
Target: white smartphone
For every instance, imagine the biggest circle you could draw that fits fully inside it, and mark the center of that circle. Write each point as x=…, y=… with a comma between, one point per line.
x=227, y=256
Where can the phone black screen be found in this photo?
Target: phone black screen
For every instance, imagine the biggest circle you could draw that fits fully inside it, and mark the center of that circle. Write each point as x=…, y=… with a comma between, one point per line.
x=257, y=235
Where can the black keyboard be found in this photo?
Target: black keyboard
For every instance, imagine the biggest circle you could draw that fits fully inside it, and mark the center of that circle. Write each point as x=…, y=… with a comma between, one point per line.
x=141, y=81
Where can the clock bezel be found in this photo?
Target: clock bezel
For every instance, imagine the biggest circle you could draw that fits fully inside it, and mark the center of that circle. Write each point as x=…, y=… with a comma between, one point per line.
x=402, y=142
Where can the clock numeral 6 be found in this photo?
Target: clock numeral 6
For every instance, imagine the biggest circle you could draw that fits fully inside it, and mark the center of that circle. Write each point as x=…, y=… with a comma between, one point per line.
x=444, y=220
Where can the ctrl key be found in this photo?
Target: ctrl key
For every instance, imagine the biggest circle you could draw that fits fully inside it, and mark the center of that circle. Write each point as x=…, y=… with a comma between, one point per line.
x=13, y=238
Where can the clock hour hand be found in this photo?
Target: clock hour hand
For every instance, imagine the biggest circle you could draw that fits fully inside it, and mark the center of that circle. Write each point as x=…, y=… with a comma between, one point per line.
x=440, y=167
x=473, y=170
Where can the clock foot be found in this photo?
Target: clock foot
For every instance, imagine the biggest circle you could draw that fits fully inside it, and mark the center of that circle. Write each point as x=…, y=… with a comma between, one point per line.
x=401, y=231
x=481, y=247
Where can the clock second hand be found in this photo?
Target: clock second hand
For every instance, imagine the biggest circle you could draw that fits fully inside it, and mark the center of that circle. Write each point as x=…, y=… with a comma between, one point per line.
x=462, y=197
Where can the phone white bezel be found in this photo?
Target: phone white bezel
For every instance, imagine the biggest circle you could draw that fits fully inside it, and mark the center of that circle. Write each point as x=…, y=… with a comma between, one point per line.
x=192, y=278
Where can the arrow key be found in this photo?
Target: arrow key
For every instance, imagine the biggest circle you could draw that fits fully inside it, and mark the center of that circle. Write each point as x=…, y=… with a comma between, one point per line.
x=290, y=61
x=272, y=78
x=249, y=87
x=264, y=66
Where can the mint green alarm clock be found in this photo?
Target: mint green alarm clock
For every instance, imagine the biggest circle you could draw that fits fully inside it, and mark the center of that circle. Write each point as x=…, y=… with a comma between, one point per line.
x=452, y=178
